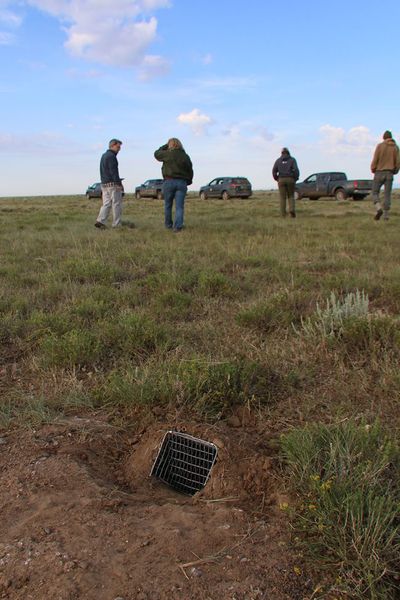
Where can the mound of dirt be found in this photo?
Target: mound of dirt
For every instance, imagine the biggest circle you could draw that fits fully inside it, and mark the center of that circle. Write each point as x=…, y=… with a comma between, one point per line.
x=81, y=519
x=242, y=471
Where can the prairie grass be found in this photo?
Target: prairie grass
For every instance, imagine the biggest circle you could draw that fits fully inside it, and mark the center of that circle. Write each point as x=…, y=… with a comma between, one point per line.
x=200, y=323
x=134, y=304
x=347, y=481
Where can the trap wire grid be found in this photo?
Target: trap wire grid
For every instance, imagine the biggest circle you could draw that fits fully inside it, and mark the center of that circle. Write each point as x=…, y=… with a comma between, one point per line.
x=184, y=462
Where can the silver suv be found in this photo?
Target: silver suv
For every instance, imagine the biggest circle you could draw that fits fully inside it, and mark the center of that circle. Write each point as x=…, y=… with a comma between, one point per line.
x=226, y=187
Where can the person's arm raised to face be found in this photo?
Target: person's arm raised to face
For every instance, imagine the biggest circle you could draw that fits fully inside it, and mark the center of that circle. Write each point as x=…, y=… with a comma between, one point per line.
x=162, y=153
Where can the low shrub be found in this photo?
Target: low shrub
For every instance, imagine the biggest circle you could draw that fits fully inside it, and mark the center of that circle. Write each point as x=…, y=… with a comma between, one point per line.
x=278, y=311
x=347, y=483
x=75, y=348
x=373, y=335
x=174, y=305
x=133, y=336
x=214, y=284
x=329, y=322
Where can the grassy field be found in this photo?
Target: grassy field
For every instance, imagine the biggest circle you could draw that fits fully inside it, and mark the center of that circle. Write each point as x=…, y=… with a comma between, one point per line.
x=232, y=311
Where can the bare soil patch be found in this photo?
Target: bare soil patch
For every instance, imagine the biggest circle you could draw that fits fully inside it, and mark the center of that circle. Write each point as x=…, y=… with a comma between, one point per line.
x=81, y=519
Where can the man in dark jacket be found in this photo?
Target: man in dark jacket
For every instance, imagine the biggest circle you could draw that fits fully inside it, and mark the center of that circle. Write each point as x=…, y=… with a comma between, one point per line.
x=111, y=186
x=286, y=173
x=177, y=171
x=385, y=164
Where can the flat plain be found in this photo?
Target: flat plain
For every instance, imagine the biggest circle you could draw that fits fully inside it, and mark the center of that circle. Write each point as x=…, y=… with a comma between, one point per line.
x=234, y=330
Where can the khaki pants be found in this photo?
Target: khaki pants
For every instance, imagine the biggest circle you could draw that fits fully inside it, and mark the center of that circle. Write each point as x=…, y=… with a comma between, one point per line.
x=112, y=198
x=286, y=187
x=383, y=178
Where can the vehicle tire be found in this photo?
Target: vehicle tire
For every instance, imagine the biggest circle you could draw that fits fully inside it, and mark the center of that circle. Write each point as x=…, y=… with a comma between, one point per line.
x=88, y=196
x=138, y=195
x=245, y=197
x=340, y=195
x=225, y=195
x=203, y=196
x=297, y=196
x=159, y=195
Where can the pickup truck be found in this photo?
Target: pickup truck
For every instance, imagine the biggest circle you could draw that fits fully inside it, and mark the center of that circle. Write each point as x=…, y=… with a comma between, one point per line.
x=333, y=184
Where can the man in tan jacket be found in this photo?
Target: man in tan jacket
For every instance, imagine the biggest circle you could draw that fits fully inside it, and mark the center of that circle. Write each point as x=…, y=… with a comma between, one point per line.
x=385, y=164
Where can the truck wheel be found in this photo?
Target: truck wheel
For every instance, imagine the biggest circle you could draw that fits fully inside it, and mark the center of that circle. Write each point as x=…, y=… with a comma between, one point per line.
x=297, y=196
x=225, y=195
x=159, y=195
x=88, y=196
x=138, y=195
x=340, y=195
x=203, y=196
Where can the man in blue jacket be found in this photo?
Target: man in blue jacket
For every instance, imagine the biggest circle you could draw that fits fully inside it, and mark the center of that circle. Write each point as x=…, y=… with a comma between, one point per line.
x=286, y=173
x=111, y=186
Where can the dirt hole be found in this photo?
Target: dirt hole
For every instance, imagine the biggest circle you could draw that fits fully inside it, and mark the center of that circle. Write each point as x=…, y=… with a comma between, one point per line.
x=81, y=518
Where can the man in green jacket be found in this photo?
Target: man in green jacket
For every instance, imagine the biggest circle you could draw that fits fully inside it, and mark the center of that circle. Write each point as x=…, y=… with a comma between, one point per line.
x=385, y=164
x=177, y=171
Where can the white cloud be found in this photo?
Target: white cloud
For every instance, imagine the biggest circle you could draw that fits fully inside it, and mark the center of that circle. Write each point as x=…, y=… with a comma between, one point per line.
x=233, y=131
x=109, y=32
x=196, y=120
x=9, y=18
x=248, y=131
x=6, y=38
x=9, y=21
x=357, y=139
x=153, y=66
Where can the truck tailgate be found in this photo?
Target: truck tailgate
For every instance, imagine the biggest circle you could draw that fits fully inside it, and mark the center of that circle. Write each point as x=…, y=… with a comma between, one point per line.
x=361, y=184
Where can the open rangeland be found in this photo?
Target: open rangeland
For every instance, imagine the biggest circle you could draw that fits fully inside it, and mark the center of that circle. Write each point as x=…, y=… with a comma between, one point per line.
x=278, y=340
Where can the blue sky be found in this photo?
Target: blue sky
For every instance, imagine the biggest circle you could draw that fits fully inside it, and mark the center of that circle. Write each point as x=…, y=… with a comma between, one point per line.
x=234, y=80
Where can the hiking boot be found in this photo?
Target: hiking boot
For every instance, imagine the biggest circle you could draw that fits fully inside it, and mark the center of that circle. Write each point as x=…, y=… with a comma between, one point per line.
x=378, y=215
x=292, y=214
x=100, y=225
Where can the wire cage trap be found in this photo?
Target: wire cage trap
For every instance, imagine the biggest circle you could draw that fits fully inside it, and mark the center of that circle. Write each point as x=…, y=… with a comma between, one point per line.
x=184, y=462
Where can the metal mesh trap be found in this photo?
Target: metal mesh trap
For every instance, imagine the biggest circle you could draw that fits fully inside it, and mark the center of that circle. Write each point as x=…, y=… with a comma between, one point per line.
x=184, y=462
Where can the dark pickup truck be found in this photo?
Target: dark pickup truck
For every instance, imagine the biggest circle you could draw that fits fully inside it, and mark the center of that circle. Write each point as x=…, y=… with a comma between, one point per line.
x=335, y=185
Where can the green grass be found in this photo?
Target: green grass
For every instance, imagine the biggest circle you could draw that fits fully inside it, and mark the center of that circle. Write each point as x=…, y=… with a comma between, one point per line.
x=211, y=319
x=347, y=481
x=232, y=289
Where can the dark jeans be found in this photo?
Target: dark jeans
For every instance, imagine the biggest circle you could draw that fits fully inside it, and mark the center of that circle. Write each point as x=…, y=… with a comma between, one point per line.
x=286, y=187
x=383, y=178
x=174, y=189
